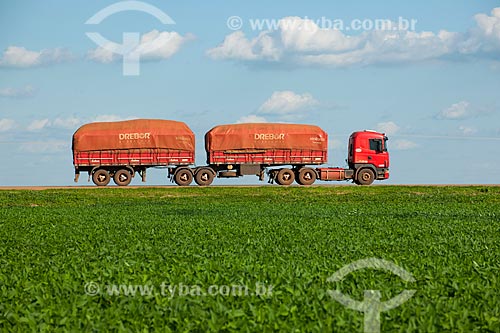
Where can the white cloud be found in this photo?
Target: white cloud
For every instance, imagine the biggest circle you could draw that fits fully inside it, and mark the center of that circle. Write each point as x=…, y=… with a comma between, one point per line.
x=49, y=146
x=385, y=47
x=288, y=104
x=460, y=110
x=153, y=45
x=37, y=125
x=252, y=119
x=157, y=45
x=464, y=110
x=70, y=123
x=402, y=144
x=67, y=123
x=285, y=105
x=111, y=117
x=391, y=128
x=103, y=55
x=20, y=57
x=26, y=91
x=300, y=41
x=486, y=36
x=236, y=46
x=388, y=128
x=6, y=124
x=466, y=130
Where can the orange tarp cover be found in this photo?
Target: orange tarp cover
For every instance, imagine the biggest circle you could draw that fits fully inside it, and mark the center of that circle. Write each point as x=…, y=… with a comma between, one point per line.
x=134, y=134
x=266, y=136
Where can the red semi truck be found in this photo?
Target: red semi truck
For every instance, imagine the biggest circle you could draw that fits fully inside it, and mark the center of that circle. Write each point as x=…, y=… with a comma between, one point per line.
x=288, y=152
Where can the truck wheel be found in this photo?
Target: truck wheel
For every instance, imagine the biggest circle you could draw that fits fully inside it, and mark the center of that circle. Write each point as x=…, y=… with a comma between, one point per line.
x=307, y=176
x=204, y=177
x=122, y=177
x=101, y=177
x=285, y=177
x=183, y=177
x=366, y=177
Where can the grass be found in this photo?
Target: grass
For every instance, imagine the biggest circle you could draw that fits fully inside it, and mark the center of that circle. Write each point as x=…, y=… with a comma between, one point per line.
x=55, y=242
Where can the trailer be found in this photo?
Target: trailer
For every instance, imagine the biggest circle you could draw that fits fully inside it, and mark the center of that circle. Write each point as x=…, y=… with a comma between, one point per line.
x=119, y=150
x=287, y=153
x=250, y=149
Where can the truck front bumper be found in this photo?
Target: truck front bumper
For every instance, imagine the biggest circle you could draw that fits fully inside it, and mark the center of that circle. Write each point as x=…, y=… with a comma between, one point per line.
x=382, y=174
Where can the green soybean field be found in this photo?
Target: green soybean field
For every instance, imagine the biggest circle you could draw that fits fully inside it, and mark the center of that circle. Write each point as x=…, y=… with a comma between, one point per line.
x=251, y=259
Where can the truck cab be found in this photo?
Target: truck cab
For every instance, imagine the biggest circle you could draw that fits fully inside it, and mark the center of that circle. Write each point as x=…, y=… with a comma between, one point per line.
x=368, y=156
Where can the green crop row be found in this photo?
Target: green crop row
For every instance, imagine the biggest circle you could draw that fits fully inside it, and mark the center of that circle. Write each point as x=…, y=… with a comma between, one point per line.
x=56, y=244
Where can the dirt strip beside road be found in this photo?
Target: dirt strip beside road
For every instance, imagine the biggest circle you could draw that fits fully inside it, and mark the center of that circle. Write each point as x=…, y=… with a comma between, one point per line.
x=39, y=188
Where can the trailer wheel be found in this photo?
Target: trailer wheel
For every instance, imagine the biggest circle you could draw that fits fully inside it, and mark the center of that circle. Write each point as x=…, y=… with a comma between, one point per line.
x=365, y=177
x=306, y=176
x=122, y=177
x=101, y=177
x=183, y=177
x=285, y=177
x=204, y=177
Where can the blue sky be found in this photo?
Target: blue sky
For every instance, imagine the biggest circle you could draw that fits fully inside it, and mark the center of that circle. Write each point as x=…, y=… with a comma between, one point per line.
x=434, y=90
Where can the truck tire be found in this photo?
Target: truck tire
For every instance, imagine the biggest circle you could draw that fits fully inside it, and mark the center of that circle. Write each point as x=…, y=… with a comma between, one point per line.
x=122, y=177
x=306, y=176
x=204, y=177
x=365, y=177
x=183, y=177
x=101, y=177
x=285, y=177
